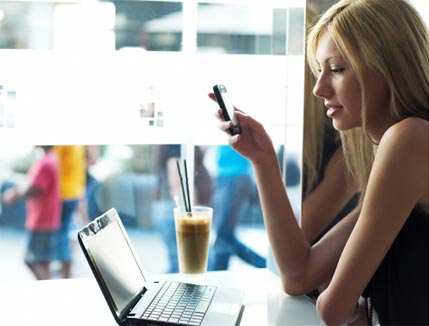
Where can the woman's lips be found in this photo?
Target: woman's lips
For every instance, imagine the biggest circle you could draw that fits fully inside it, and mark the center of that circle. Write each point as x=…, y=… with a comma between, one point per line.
x=333, y=110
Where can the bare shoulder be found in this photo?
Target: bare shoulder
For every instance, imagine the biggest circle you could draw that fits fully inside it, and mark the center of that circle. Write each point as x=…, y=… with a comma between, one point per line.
x=404, y=151
x=409, y=135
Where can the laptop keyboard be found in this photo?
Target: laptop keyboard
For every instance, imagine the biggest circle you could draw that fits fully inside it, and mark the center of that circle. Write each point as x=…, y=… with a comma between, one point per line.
x=180, y=303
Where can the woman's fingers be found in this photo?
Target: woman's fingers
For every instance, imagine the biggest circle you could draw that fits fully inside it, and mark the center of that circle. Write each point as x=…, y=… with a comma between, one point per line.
x=218, y=114
x=224, y=125
x=212, y=96
x=233, y=139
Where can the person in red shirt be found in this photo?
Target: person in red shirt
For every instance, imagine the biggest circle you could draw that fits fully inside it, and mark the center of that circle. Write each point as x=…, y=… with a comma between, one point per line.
x=43, y=211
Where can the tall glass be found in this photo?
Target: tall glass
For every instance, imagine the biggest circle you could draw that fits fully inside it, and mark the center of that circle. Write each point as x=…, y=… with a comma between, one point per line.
x=193, y=235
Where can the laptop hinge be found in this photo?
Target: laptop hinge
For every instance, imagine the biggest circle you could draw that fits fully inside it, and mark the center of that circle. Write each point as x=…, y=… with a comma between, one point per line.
x=124, y=313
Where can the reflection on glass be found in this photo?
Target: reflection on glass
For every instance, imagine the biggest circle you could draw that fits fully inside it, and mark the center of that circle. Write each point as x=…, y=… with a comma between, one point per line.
x=324, y=171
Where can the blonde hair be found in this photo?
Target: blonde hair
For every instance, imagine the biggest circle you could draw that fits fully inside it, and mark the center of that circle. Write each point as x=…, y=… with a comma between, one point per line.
x=314, y=131
x=315, y=124
x=314, y=134
x=387, y=36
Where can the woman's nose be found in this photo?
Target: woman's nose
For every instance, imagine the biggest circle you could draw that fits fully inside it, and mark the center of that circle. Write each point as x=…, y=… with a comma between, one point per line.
x=321, y=88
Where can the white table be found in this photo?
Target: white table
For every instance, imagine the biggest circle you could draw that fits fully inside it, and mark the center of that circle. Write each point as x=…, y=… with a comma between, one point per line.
x=80, y=301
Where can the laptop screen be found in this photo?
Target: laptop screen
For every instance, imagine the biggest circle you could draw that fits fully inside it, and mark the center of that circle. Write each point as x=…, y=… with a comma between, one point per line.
x=113, y=258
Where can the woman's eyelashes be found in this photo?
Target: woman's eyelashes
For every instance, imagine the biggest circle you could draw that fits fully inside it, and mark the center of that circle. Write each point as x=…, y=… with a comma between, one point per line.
x=337, y=70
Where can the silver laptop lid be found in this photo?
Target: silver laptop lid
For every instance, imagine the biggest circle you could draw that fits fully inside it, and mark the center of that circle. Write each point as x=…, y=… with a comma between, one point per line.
x=113, y=261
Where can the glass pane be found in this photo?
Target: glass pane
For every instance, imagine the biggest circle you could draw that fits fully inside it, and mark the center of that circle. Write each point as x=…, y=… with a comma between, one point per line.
x=123, y=176
x=145, y=91
x=26, y=25
x=55, y=25
x=231, y=28
x=150, y=25
x=249, y=29
x=239, y=238
x=133, y=77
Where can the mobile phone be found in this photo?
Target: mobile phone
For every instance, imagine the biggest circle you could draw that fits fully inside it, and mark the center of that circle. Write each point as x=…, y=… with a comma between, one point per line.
x=225, y=104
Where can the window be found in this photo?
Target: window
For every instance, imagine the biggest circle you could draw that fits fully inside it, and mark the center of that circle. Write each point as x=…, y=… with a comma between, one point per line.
x=132, y=77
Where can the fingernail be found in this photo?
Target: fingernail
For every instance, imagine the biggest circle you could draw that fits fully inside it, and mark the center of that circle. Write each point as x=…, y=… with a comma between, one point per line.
x=234, y=139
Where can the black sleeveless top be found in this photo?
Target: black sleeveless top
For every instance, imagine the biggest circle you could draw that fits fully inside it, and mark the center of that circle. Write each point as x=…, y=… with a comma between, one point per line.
x=398, y=290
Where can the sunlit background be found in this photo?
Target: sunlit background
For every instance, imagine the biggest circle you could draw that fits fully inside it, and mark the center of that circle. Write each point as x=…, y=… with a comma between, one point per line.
x=132, y=76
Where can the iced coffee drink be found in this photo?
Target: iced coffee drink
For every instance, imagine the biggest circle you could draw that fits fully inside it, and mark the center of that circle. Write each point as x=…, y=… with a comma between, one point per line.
x=192, y=234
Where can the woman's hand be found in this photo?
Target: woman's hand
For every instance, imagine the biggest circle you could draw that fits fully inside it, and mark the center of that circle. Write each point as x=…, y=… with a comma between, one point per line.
x=253, y=143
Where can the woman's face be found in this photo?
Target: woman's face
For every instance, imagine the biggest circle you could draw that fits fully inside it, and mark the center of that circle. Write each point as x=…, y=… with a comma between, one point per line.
x=338, y=85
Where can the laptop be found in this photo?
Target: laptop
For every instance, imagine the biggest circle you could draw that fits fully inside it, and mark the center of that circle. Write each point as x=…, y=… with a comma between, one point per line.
x=134, y=299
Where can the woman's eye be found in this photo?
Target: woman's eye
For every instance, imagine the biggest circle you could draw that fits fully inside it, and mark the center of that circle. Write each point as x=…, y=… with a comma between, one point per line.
x=337, y=70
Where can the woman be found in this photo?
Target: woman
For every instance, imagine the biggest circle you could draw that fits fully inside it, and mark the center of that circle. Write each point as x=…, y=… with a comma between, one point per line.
x=371, y=59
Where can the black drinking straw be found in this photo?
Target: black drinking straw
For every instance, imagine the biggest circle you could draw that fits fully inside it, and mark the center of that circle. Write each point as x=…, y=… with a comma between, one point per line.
x=187, y=187
x=187, y=208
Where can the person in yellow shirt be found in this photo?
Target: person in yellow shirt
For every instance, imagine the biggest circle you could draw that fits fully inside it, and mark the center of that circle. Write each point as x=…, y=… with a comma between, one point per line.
x=72, y=188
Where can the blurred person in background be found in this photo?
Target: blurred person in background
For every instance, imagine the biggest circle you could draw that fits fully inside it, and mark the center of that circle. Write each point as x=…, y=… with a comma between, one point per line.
x=43, y=207
x=72, y=189
x=88, y=207
x=235, y=190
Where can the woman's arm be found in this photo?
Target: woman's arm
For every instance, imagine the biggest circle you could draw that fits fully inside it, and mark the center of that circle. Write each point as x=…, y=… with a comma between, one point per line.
x=327, y=200
x=301, y=267
x=398, y=181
